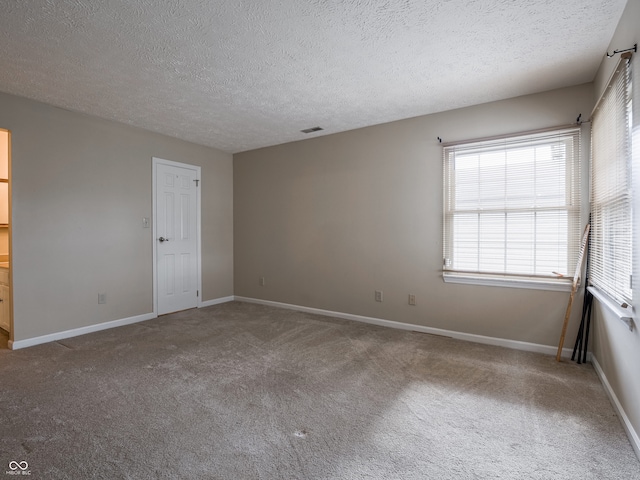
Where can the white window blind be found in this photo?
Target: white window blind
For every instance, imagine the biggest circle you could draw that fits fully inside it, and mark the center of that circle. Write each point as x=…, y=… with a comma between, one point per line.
x=512, y=206
x=610, y=247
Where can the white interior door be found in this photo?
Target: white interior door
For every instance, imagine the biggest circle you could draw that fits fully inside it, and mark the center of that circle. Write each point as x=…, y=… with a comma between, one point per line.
x=176, y=230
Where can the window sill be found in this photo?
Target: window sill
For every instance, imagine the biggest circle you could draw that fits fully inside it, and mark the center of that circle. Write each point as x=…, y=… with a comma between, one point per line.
x=560, y=285
x=624, y=314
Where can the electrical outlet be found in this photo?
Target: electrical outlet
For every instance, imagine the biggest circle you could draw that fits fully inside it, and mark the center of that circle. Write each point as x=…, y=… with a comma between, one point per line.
x=145, y=222
x=262, y=281
x=102, y=298
x=378, y=295
x=412, y=299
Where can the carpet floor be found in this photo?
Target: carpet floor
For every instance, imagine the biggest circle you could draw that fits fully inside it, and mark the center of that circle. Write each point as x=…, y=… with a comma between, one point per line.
x=242, y=391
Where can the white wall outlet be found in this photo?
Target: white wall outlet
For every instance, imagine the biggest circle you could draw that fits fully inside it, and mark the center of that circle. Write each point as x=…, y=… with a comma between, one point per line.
x=378, y=295
x=262, y=281
x=145, y=222
x=412, y=299
x=102, y=298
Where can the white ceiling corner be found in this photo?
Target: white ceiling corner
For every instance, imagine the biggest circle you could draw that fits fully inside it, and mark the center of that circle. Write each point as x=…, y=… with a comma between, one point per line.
x=239, y=75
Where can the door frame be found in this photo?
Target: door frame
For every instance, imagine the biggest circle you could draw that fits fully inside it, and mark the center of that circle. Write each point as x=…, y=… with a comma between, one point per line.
x=155, y=161
x=10, y=235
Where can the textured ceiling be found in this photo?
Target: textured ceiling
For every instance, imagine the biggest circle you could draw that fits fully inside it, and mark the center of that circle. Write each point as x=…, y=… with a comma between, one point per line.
x=243, y=74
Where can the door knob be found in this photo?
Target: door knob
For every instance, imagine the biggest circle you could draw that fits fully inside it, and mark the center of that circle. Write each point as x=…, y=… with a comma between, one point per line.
x=162, y=239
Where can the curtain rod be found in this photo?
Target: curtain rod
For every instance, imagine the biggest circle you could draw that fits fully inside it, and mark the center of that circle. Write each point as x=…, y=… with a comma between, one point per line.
x=615, y=52
x=511, y=135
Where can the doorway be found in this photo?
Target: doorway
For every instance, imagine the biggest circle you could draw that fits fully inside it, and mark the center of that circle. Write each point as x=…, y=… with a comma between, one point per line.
x=6, y=324
x=176, y=236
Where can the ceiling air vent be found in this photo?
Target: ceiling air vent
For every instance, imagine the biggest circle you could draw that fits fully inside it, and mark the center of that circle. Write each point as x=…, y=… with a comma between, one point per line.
x=311, y=130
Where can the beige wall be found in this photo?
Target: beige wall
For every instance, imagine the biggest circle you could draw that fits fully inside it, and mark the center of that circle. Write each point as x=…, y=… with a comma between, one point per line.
x=329, y=220
x=616, y=349
x=81, y=186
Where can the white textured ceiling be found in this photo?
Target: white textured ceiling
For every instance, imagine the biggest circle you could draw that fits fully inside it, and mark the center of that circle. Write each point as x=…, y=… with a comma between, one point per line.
x=243, y=74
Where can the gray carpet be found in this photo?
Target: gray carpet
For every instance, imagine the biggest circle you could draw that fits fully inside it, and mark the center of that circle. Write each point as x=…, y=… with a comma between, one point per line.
x=241, y=391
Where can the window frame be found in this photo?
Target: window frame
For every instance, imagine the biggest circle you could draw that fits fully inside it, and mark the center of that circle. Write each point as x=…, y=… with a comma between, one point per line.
x=606, y=234
x=572, y=205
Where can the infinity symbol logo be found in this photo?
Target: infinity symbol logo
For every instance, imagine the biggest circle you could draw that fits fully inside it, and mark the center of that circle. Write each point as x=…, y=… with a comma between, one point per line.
x=13, y=465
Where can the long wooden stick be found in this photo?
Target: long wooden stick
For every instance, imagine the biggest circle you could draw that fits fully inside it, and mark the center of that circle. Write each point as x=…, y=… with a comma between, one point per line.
x=574, y=289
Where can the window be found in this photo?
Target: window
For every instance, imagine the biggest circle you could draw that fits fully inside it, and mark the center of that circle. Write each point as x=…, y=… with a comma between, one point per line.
x=512, y=210
x=610, y=247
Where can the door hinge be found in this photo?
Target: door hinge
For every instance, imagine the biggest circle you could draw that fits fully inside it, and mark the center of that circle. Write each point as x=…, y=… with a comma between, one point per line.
x=197, y=182
x=197, y=293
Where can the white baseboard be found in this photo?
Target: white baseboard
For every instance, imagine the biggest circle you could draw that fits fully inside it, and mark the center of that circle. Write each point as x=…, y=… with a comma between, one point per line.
x=217, y=301
x=501, y=342
x=624, y=419
x=514, y=344
x=52, y=337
